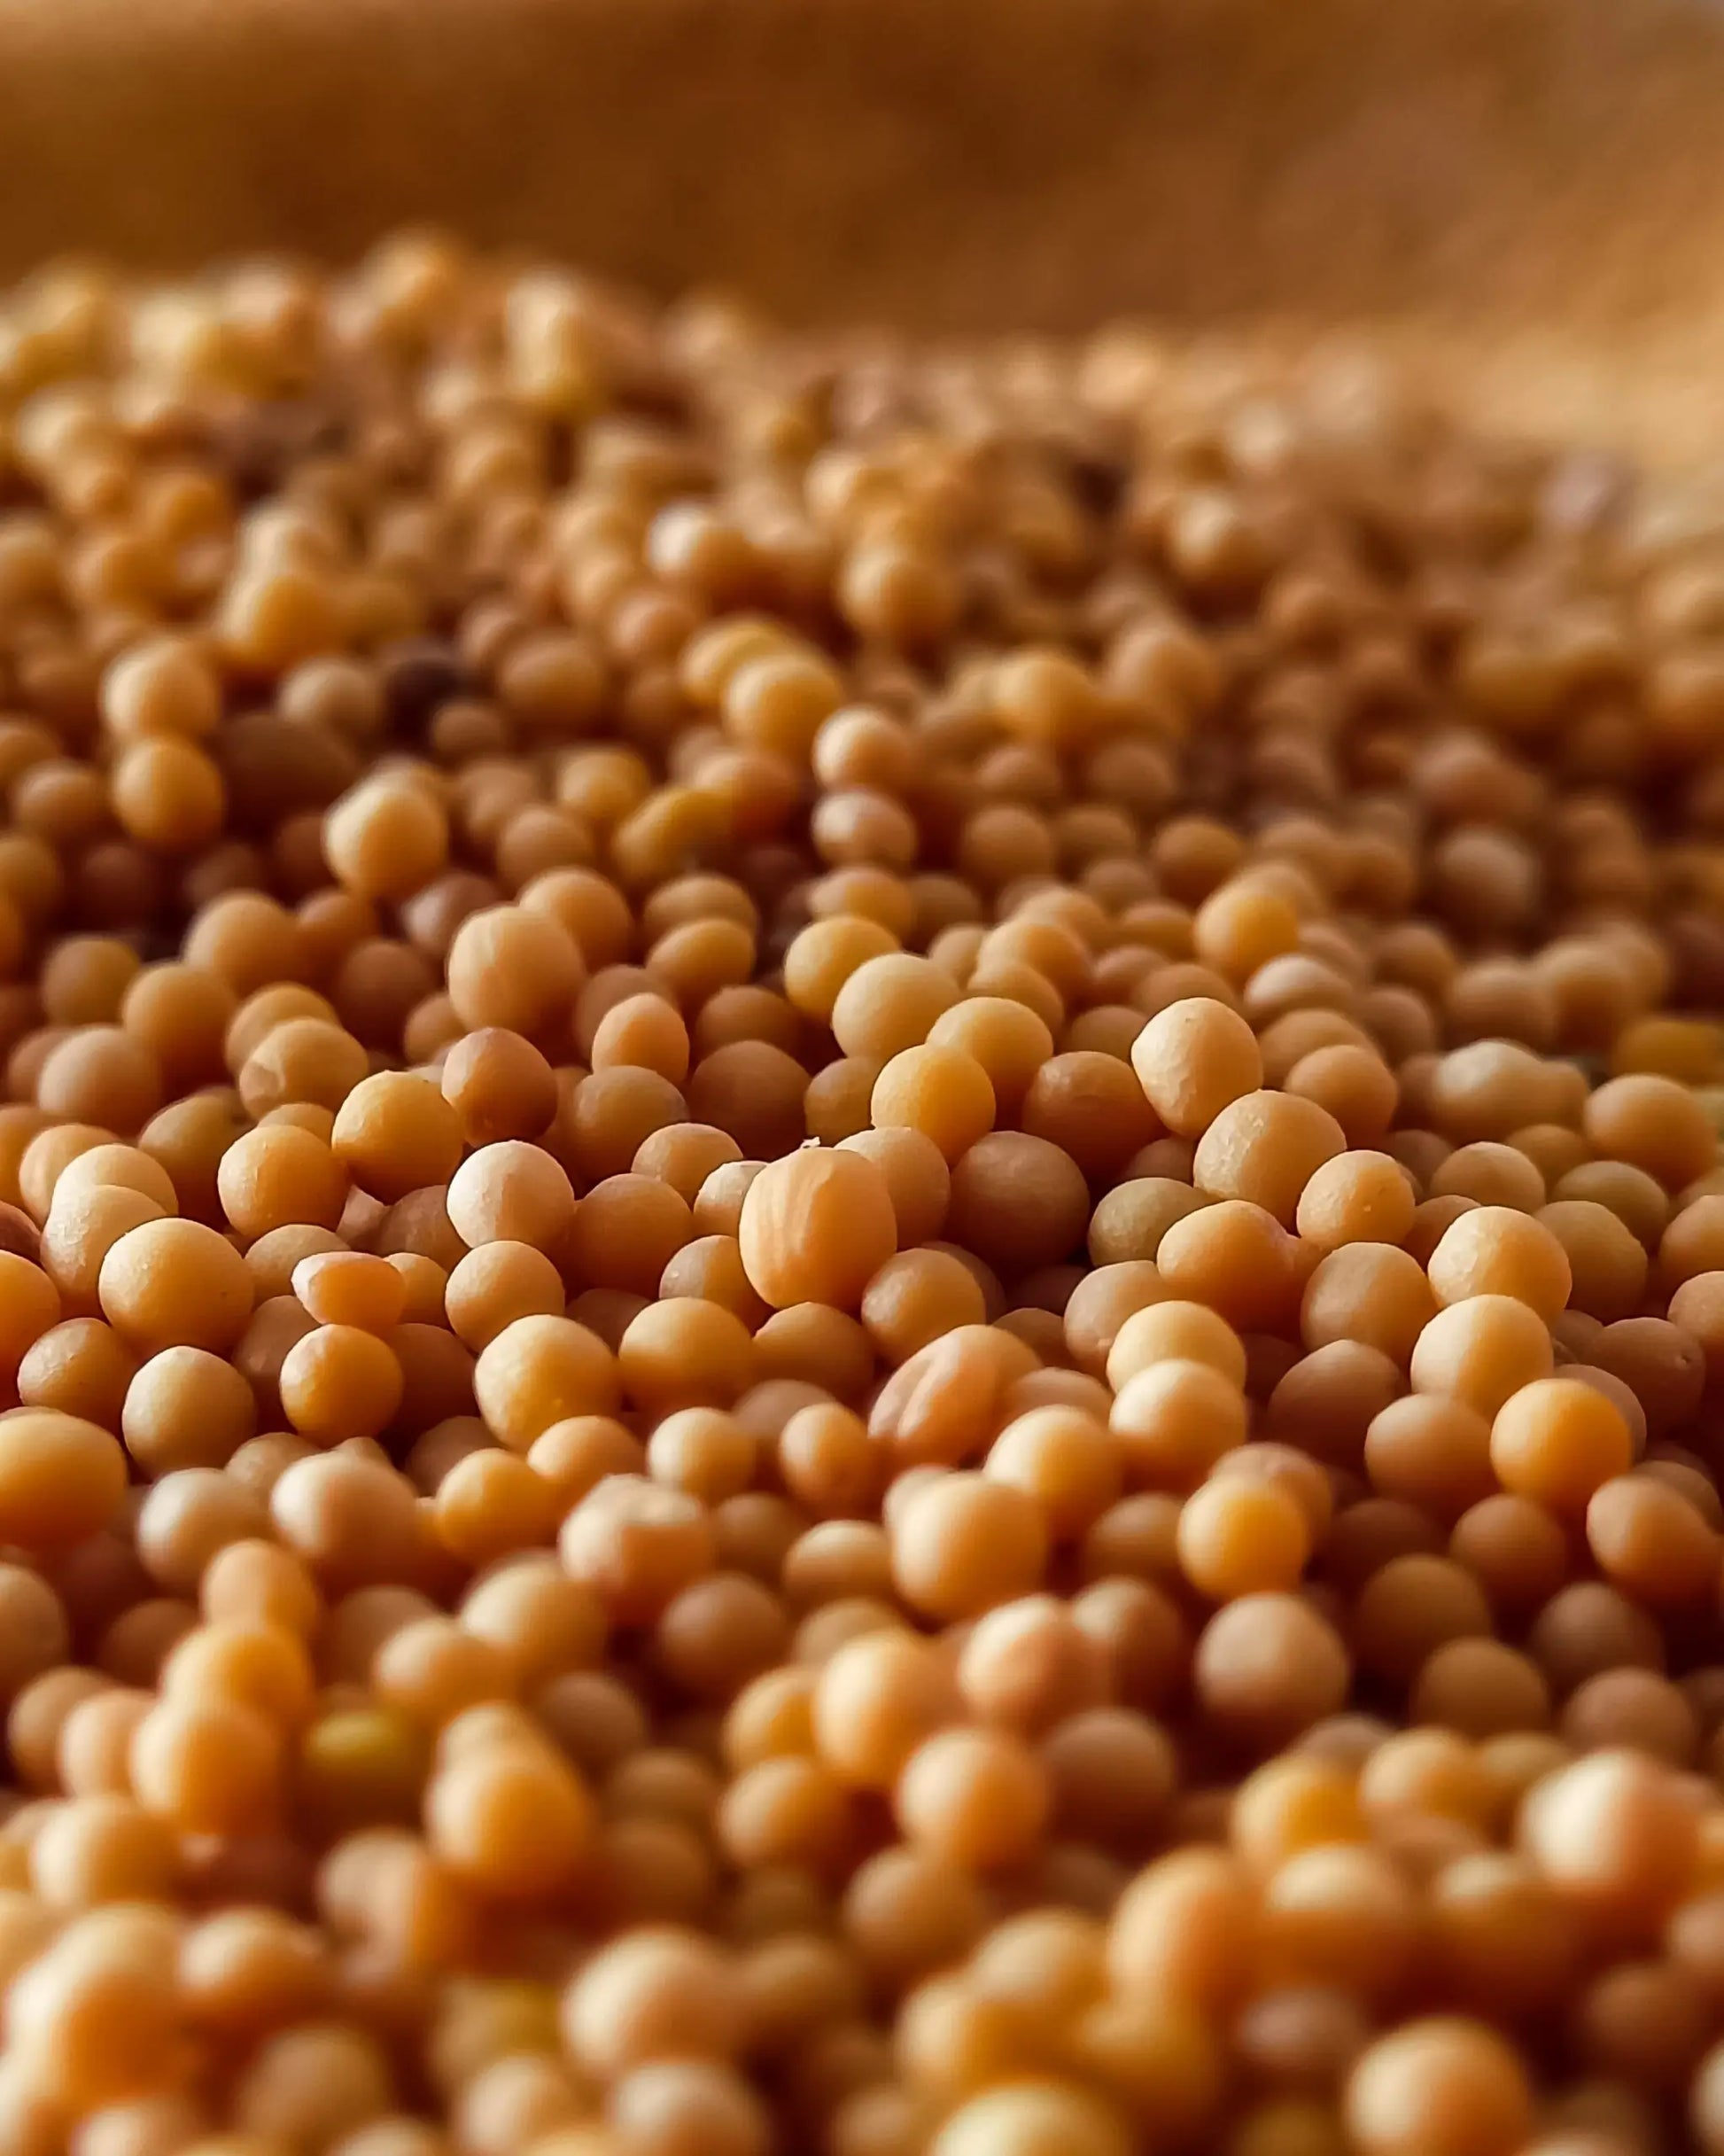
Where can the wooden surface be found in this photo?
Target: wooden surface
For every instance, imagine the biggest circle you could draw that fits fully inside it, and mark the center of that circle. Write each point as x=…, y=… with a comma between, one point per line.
x=1483, y=174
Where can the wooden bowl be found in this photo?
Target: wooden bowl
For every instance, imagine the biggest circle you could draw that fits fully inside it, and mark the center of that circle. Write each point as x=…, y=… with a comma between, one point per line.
x=1525, y=197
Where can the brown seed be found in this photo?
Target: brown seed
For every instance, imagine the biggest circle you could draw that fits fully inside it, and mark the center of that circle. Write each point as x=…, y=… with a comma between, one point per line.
x=815, y=1228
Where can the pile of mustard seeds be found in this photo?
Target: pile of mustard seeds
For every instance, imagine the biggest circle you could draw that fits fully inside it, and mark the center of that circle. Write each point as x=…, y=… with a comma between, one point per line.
x=861, y=1244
